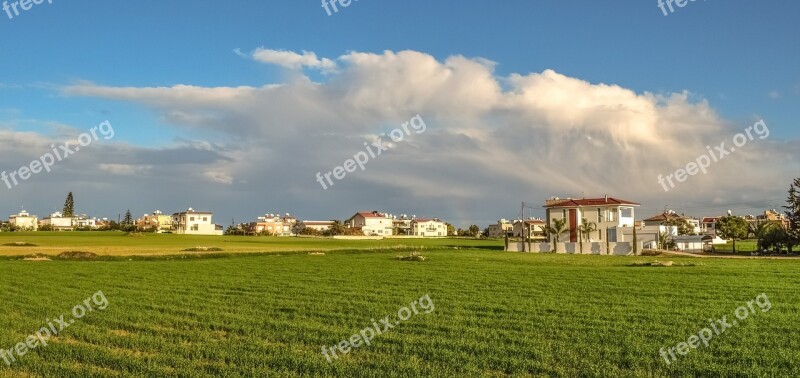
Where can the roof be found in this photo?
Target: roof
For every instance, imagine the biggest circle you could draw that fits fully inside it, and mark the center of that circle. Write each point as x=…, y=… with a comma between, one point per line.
x=193, y=212
x=318, y=223
x=592, y=202
x=710, y=219
x=424, y=220
x=664, y=217
x=371, y=214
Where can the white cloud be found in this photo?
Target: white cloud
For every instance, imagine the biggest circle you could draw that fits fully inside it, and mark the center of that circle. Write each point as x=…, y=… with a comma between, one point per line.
x=491, y=141
x=291, y=59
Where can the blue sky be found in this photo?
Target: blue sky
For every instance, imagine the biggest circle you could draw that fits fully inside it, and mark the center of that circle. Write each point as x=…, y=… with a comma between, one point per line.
x=739, y=56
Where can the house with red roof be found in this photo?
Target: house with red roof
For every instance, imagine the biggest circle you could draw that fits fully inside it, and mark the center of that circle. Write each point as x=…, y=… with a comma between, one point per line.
x=371, y=223
x=611, y=216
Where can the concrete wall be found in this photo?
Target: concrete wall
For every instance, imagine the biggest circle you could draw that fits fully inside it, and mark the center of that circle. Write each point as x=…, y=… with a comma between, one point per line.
x=596, y=248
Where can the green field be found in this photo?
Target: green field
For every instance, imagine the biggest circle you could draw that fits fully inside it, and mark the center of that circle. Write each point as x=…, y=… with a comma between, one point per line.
x=121, y=244
x=496, y=314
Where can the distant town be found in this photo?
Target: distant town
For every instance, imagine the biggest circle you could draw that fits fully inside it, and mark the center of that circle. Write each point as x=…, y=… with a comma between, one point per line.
x=569, y=220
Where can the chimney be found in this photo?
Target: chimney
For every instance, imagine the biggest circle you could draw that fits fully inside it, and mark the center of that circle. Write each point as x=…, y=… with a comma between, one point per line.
x=606, y=198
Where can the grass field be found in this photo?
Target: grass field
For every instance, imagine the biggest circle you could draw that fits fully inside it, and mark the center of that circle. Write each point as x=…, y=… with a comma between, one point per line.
x=496, y=314
x=120, y=244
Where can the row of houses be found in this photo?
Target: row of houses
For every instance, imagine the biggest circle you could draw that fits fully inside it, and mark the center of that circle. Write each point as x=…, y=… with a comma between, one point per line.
x=186, y=222
x=194, y=222
x=367, y=223
x=615, y=220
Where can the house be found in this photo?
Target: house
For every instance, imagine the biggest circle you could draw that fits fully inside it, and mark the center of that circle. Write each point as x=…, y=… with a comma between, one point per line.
x=58, y=222
x=532, y=229
x=402, y=224
x=157, y=221
x=274, y=224
x=693, y=243
x=24, y=221
x=708, y=225
x=192, y=222
x=84, y=221
x=428, y=227
x=320, y=226
x=775, y=216
x=501, y=229
x=610, y=216
x=371, y=223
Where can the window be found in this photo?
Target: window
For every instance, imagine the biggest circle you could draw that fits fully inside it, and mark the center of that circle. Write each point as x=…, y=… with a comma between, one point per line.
x=599, y=215
x=564, y=213
x=205, y=219
x=612, y=217
x=191, y=219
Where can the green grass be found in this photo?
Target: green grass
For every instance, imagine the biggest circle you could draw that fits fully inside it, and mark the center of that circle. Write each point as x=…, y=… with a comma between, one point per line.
x=496, y=314
x=120, y=244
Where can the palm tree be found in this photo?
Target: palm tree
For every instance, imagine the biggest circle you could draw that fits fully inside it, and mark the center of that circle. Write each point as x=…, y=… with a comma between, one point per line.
x=585, y=229
x=760, y=229
x=559, y=227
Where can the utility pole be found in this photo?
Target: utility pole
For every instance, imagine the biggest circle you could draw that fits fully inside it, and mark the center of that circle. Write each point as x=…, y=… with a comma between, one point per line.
x=522, y=226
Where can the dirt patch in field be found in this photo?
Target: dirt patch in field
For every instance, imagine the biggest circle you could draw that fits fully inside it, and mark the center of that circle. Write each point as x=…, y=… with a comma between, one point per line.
x=77, y=255
x=19, y=244
x=120, y=333
x=202, y=249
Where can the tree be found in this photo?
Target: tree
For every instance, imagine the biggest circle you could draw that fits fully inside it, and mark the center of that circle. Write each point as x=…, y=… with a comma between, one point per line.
x=69, y=207
x=635, y=242
x=793, y=214
x=451, y=230
x=474, y=230
x=759, y=230
x=733, y=228
x=337, y=228
x=585, y=229
x=555, y=230
x=128, y=220
x=665, y=241
x=683, y=225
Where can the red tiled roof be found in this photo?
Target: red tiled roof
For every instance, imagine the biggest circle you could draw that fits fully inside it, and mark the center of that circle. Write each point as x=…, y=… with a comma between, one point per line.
x=371, y=214
x=664, y=217
x=592, y=202
x=710, y=219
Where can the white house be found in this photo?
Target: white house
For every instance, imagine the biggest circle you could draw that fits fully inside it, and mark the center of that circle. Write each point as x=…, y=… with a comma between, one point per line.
x=83, y=221
x=372, y=223
x=611, y=216
x=320, y=226
x=534, y=228
x=428, y=227
x=59, y=222
x=24, y=221
x=192, y=222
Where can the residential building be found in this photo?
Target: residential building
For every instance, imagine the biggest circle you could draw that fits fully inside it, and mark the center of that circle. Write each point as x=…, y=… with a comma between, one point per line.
x=58, y=222
x=157, y=221
x=610, y=215
x=708, y=225
x=274, y=224
x=531, y=229
x=84, y=221
x=192, y=222
x=669, y=217
x=502, y=229
x=774, y=216
x=24, y=221
x=402, y=224
x=320, y=226
x=371, y=223
x=428, y=227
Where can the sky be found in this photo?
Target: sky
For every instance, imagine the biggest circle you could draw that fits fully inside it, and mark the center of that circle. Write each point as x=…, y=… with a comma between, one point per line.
x=234, y=107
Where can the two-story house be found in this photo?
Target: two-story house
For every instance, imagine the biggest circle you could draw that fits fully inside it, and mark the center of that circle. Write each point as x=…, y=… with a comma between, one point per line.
x=428, y=227
x=371, y=223
x=610, y=215
x=193, y=222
